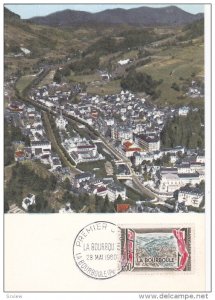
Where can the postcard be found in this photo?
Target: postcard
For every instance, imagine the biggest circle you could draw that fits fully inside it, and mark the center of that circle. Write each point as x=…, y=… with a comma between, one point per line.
x=107, y=147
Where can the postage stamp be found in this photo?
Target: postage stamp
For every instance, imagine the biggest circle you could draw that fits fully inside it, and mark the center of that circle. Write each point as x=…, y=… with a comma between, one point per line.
x=102, y=249
x=156, y=249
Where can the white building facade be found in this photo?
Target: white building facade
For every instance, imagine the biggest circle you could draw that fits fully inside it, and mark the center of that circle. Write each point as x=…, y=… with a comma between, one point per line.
x=190, y=197
x=114, y=191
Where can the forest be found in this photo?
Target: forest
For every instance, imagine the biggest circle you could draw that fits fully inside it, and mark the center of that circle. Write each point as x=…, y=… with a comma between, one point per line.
x=24, y=180
x=11, y=134
x=184, y=131
x=140, y=82
x=128, y=39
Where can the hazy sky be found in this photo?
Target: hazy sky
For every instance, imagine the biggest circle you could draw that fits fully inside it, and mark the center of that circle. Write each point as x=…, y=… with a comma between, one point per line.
x=30, y=10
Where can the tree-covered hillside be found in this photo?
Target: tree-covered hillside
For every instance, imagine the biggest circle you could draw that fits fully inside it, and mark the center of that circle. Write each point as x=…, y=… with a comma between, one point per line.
x=185, y=131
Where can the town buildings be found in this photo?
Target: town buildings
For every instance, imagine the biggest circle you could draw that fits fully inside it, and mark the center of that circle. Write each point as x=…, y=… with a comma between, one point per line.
x=128, y=123
x=114, y=191
x=61, y=122
x=190, y=196
x=82, y=150
x=149, y=143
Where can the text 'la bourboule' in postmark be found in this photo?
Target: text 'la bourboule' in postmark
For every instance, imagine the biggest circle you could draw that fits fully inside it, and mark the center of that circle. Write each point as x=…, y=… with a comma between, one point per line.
x=102, y=250
x=97, y=250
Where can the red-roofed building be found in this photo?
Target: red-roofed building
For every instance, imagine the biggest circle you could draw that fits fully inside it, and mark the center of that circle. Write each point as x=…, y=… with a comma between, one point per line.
x=87, y=149
x=122, y=208
x=127, y=144
x=130, y=148
x=19, y=155
x=101, y=191
x=16, y=106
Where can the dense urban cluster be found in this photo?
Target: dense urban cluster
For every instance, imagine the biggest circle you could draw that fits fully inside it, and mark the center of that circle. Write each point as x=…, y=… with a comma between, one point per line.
x=106, y=147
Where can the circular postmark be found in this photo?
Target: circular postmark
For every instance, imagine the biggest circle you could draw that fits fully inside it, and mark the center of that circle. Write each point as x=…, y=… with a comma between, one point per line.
x=97, y=250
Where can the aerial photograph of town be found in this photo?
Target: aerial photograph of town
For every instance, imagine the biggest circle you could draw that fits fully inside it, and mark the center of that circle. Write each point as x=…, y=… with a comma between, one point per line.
x=104, y=109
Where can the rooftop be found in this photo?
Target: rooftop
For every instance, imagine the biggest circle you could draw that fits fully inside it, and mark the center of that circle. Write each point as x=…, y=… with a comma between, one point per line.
x=189, y=175
x=40, y=143
x=168, y=170
x=122, y=207
x=191, y=190
x=116, y=187
x=148, y=138
x=83, y=175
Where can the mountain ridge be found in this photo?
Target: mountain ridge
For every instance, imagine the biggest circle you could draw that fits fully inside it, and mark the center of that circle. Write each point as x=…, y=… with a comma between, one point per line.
x=143, y=16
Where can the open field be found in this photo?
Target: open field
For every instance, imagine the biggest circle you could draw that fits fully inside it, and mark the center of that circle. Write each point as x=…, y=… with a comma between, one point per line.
x=104, y=88
x=129, y=55
x=132, y=194
x=12, y=64
x=23, y=82
x=48, y=78
x=85, y=78
x=97, y=167
x=176, y=64
x=105, y=59
x=113, y=58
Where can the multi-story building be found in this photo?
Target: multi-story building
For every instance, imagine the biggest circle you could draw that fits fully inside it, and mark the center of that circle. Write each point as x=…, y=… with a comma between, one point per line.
x=175, y=150
x=190, y=196
x=83, y=177
x=121, y=133
x=88, y=148
x=82, y=150
x=55, y=162
x=61, y=122
x=190, y=178
x=192, y=167
x=197, y=166
x=137, y=158
x=170, y=182
x=149, y=143
x=114, y=191
x=129, y=148
x=100, y=191
x=184, y=168
x=40, y=147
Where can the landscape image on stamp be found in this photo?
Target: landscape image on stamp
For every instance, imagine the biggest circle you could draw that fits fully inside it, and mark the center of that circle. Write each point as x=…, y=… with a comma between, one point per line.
x=150, y=246
x=104, y=108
